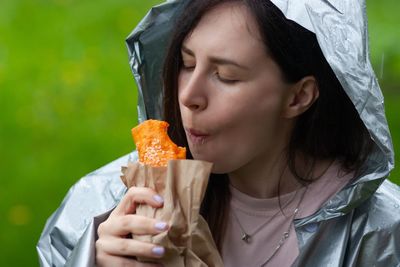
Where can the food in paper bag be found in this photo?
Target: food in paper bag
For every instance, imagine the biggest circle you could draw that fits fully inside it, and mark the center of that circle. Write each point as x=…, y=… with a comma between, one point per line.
x=153, y=144
x=182, y=183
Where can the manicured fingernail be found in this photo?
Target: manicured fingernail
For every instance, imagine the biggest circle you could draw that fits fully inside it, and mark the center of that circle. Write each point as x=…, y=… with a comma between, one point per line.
x=161, y=226
x=158, y=198
x=159, y=251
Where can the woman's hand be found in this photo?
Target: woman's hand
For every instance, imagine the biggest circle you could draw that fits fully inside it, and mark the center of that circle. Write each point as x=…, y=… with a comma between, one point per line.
x=113, y=248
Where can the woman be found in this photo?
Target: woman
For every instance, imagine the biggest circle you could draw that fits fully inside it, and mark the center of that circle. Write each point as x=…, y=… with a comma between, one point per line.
x=271, y=93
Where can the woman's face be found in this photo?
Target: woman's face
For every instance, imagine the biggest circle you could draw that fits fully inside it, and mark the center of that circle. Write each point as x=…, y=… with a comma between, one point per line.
x=231, y=94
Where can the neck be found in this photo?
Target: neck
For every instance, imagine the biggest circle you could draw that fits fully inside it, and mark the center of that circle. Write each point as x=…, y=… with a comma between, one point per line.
x=265, y=178
x=270, y=177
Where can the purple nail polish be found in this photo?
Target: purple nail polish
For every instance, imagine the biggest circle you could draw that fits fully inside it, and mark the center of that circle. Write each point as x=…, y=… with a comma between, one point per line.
x=158, y=198
x=161, y=226
x=159, y=251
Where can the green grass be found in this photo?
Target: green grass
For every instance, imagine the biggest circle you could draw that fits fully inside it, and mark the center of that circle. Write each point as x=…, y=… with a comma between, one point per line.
x=392, y=101
x=68, y=101
x=385, y=55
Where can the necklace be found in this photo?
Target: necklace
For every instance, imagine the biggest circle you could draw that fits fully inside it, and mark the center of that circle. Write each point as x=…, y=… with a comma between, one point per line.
x=246, y=237
x=287, y=232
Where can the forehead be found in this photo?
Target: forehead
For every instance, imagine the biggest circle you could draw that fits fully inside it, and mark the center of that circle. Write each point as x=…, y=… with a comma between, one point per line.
x=227, y=24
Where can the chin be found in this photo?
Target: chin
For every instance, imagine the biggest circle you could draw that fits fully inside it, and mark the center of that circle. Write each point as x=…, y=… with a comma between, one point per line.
x=220, y=168
x=217, y=170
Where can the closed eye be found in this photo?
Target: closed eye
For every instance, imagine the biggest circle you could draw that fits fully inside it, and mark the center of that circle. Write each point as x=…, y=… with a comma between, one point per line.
x=188, y=67
x=225, y=80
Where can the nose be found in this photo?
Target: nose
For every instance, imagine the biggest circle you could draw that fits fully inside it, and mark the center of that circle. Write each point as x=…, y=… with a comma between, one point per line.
x=193, y=91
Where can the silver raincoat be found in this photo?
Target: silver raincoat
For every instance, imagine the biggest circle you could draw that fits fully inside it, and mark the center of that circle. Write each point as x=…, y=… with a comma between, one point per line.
x=359, y=226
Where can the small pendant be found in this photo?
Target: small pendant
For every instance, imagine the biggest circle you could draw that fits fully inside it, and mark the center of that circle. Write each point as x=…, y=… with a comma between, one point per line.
x=286, y=235
x=246, y=238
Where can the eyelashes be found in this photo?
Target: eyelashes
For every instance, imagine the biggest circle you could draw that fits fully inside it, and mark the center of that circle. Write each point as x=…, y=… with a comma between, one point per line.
x=191, y=68
x=224, y=80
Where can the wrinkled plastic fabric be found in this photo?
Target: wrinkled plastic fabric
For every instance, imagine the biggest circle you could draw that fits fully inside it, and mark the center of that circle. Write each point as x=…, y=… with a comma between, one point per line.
x=147, y=46
x=359, y=226
x=69, y=234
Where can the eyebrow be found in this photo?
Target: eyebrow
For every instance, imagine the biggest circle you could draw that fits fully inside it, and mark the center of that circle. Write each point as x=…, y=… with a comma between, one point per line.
x=216, y=60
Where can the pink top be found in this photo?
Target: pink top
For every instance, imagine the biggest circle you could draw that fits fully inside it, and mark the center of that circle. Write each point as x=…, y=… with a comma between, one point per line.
x=265, y=215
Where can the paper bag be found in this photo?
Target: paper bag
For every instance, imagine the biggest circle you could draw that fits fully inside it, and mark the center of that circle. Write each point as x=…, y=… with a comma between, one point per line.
x=188, y=242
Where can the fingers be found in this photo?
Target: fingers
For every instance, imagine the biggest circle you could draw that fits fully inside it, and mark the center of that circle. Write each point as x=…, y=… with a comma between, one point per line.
x=112, y=249
x=103, y=260
x=137, y=195
x=115, y=261
x=129, y=247
x=132, y=224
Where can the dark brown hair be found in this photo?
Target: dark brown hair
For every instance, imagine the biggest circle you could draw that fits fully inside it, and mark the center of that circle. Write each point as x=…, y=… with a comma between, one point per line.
x=330, y=129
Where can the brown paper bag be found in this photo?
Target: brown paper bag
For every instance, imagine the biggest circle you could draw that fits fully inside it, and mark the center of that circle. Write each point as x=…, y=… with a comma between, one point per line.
x=182, y=184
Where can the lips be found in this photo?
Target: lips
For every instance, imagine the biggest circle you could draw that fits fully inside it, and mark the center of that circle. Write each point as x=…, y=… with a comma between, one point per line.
x=196, y=137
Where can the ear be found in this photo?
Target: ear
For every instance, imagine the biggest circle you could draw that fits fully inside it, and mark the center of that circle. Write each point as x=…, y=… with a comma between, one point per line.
x=301, y=96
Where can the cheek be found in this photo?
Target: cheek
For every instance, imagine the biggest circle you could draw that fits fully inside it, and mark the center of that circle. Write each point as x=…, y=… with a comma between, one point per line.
x=182, y=80
x=251, y=125
x=254, y=105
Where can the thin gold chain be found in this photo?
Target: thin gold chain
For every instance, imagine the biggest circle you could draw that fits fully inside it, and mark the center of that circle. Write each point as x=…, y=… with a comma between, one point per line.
x=285, y=234
x=246, y=237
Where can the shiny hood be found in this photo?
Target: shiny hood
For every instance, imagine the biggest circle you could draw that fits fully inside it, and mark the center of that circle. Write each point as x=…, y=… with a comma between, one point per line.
x=342, y=33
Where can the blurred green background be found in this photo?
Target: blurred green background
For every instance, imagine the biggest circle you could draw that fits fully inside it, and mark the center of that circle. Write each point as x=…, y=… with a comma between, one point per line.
x=68, y=101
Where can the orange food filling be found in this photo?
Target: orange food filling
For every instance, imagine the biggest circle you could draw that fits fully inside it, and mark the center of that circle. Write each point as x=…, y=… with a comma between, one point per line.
x=153, y=144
